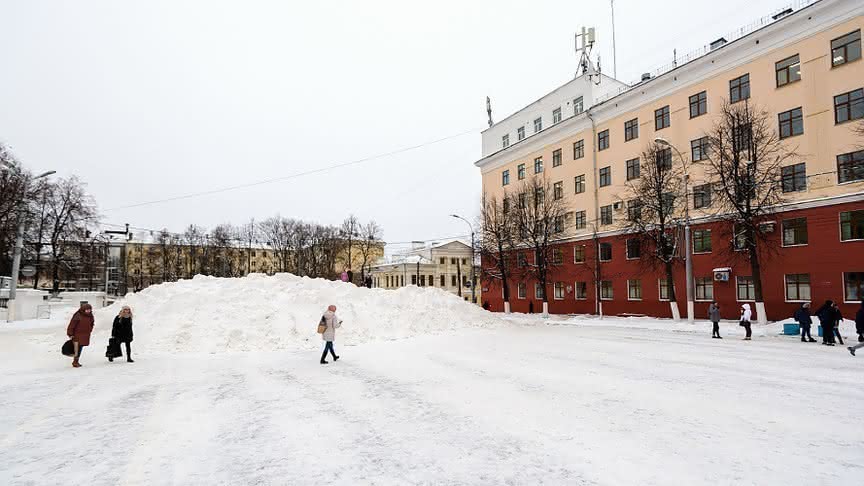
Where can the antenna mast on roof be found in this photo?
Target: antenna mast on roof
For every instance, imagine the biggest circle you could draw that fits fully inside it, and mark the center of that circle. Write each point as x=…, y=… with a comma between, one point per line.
x=584, y=44
x=614, y=54
x=489, y=110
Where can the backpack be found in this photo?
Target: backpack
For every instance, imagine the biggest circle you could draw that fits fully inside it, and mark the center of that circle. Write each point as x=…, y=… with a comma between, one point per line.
x=322, y=325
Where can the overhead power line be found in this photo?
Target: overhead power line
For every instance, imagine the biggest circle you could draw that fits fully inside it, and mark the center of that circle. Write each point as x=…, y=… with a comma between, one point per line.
x=292, y=176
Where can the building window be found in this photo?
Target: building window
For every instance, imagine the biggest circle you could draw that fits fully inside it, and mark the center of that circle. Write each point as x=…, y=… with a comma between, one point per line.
x=662, y=118
x=581, y=290
x=633, y=169
x=521, y=290
x=538, y=291
x=559, y=291
x=605, y=252
x=702, y=241
x=702, y=196
x=606, y=290
x=634, y=248
x=454, y=281
x=704, y=288
x=505, y=178
x=539, y=196
x=849, y=106
x=788, y=70
x=634, y=210
x=538, y=124
x=464, y=261
x=556, y=158
x=443, y=260
x=794, y=231
x=521, y=260
x=538, y=165
x=413, y=279
x=798, y=286
x=746, y=290
x=556, y=115
x=578, y=106
x=558, y=190
x=634, y=290
x=850, y=167
x=739, y=88
x=580, y=220
x=505, y=141
x=521, y=171
x=579, y=149
x=663, y=285
x=452, y=261
x=443, y=281
x=606, y=215
x=558, y=225
x=422, y=280
x=631, y=129
x=791, y=123
x=605, y=176
x=698, y=104
x=520, y=133
x=853, y=286
x=580, y=184
x=846, y=49
x=431, y=280
x=852, y=225
x=603, y=140
x=699, y=149
x=557, y=256
x=523, y=200
x=794, y=178
x=579, y=254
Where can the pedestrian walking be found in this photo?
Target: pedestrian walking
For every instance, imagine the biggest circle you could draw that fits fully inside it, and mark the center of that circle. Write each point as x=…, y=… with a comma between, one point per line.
x=344, y=276
x=837, y=316
x=802, y=316
x=121, y=332
x=530, y=306
x=714, y=316
x=368, y=281
x=79, y=330
x=826, y=319
x=746, y=314
x=330, y=323
x=859, y=323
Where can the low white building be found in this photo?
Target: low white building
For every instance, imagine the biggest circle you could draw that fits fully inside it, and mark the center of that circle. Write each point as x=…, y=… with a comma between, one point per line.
x=446, y=265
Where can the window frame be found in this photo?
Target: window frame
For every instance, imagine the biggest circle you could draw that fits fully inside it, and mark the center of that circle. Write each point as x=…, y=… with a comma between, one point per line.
x=538, y=291
x=603, y=218
x=631, y=129
x=846, y=59
x=521, y=290
x=700, y=102
x=580, y=220
x=600, y=251
x=556, y=116
x=538, y=165
x=751, y=285
x=662, y=118
x=578, y=105
x=630, y=289
x=505, y=177
x=557, y=159
x=851, y=225
x=704, y=235
x=610, y=287
x=856, y=160
x=521, y=172
x=798, y=287
x=633, y=169
x=793, y=177
x=708, y=285
x=849, y=104
x=704, y=192
x=784, y=65
x=538, y=124
x=520, y=134
x=741, y=86
x=505, y=141
x=703, y=145
x=627, y=248
x=580, y=290
x=605, y=176
x=859, y=287
x=790, y=123
x=661, y=284
x=558, y=190
x=579, y=182
x=603, y=140
x=579, y=149
x=783, y=228
x=578, y=250
x=556, y=287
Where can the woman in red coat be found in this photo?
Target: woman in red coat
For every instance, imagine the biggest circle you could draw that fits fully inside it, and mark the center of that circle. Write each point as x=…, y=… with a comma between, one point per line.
x=79, y=331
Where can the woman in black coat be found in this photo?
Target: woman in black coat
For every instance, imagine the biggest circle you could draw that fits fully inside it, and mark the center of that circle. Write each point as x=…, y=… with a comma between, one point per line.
x=121, y=331
x=826, y=319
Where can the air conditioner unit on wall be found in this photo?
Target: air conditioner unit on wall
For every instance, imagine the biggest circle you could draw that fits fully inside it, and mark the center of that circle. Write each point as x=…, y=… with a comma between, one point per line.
x=617, y=206
x=722, y=274
x=767, y=227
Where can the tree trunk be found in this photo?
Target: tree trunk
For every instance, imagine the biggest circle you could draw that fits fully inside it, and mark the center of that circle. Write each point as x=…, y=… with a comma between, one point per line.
x=458, y=278
x=673, y=300
x=756, y=271
x=38, y=260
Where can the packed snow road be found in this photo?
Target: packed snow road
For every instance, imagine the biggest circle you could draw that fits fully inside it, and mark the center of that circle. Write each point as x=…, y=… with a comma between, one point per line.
x=526, y=404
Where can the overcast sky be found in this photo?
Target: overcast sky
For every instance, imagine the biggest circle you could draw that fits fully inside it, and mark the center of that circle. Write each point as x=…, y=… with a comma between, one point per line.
x=154, y=99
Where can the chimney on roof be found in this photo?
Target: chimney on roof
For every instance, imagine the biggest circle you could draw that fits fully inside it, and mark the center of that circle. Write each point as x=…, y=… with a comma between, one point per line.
x=718, y=43
x=646, y=76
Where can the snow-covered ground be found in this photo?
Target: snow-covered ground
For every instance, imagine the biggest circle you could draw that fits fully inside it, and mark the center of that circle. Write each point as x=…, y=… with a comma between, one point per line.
x=483, y=400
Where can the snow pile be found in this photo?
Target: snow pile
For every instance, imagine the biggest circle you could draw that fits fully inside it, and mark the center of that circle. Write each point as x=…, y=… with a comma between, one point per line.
x=263, y=313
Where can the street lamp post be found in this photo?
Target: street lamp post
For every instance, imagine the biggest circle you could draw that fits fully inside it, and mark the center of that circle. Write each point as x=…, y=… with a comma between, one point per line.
x=688, y=252
x=19, y=247
x=473, y=277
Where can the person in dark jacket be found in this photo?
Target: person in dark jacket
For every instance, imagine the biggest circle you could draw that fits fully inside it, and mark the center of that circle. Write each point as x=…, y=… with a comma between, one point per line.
x=121, y=331
x=837, y=319
x=859, y=328
x=714, y=316
x=826, y=319
x=79, y=330
x=802, y=316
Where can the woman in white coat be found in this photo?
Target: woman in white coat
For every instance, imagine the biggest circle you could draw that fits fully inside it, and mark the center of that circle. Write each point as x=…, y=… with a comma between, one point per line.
x=746, y=314
x=331, y=322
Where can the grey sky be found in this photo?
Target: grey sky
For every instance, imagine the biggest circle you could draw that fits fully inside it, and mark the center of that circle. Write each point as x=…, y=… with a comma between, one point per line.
x=149, y=100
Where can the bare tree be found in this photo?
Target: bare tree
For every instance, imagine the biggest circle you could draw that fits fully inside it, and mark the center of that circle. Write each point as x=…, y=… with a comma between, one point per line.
x=496, y=245
x=193, y=240
x=13, y=180
x=350, y=231
x=654, y=208
x=744, y=161
x=70, y=211
x=370, y=234
x=539, y=214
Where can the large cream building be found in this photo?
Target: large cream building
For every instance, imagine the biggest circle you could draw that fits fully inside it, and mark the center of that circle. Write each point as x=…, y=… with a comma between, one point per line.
x=804, y=67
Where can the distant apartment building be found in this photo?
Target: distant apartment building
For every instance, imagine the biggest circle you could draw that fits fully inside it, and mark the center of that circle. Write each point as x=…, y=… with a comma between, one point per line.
x=804, y=66
x=445, y=265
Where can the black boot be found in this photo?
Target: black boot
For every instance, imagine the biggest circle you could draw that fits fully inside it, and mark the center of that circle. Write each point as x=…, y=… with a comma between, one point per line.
x=324, y=361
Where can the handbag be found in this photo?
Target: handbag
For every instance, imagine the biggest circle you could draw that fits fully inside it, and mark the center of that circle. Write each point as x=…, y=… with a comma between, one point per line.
x=113, y=350
x=322, y=325
x=68, y=349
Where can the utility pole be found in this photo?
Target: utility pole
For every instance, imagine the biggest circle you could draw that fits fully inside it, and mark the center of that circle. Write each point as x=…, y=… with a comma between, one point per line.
x=473, y=276
x=614, y=54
